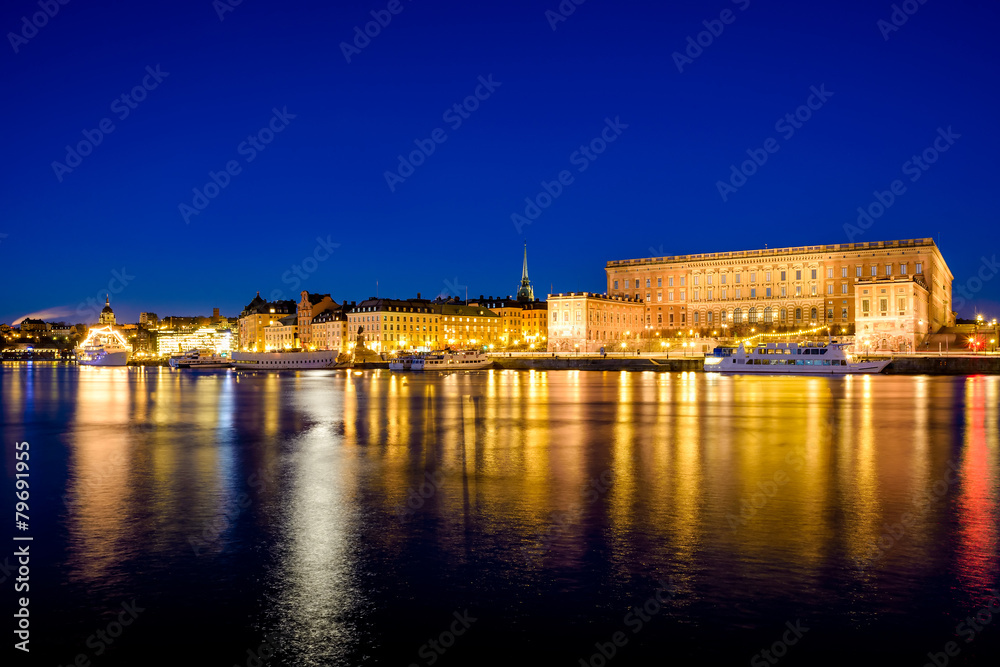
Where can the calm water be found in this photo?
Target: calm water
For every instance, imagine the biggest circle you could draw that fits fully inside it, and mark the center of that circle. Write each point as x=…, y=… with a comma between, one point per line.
x=349, y=518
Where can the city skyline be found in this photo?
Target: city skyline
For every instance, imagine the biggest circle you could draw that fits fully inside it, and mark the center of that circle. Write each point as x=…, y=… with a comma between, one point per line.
x=606, y=133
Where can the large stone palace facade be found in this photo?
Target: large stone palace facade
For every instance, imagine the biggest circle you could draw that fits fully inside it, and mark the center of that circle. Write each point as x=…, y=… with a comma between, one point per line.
x=890, y=294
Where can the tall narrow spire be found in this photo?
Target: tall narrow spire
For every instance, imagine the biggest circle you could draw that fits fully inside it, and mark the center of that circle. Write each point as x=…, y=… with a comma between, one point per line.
x=524, y=292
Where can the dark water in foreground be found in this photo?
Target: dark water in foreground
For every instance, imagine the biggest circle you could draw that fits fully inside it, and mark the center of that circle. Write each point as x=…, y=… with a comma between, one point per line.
x=510, y=517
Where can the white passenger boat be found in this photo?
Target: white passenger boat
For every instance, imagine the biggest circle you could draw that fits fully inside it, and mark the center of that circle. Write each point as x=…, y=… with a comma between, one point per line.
x=103, y=347
x=466, y=360
x=407, y=362
x=791, y=359
x=200, y=359
x=283, y=361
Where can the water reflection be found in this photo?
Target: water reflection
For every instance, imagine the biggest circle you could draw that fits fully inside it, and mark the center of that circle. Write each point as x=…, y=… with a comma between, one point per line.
x=371, y=495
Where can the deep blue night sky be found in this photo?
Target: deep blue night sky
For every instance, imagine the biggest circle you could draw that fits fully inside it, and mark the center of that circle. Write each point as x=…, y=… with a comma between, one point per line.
x=448, y=225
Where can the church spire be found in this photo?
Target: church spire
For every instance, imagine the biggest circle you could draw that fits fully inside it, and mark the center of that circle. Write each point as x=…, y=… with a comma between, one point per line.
x=524, y=292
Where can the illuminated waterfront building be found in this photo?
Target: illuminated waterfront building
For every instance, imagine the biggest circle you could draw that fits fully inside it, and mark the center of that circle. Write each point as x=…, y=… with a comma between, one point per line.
x=170, y=341
x=522, y=324
x=329, y=329
x=311, y=305
x=393, y=325
x=107, y=315
x=257, y=315
x=586, y=322
x=784, y=289
x=467, y=326
x=282, y=334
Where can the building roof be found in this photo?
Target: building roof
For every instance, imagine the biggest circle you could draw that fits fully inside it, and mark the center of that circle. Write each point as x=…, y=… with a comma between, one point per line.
x=749, y=255
x=332, y=315
x=402, y=305
x=462, y=310
x=260, y=307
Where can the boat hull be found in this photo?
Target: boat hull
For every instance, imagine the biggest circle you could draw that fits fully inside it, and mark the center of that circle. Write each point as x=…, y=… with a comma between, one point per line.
x=728, y=367
x=102, y=358
x=284, y=361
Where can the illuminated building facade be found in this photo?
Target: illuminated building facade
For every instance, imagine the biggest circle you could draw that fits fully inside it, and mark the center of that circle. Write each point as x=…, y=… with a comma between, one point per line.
x=311, y=305
x=522, y=323
x=329, y=330
x=107, y=315
x=393, y=325
x=586, y=322
x=257, y=315
x=282, y=334
x=170, y=342
x=893, y=313
x=781, y=289
x=467, y=326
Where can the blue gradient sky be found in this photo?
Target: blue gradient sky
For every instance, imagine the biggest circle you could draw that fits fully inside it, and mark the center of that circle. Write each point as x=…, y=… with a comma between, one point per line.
x=653, y=191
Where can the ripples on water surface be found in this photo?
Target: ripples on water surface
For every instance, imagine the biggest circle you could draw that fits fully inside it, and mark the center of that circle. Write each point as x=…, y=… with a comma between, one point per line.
x=351, y=517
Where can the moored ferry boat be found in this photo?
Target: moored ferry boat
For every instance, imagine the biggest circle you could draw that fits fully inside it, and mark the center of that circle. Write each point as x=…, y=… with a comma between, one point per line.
x=199, y=359
x=466, y=360
x=283, y=361
x=791, y=359
x=407, y=362
x=103, y=347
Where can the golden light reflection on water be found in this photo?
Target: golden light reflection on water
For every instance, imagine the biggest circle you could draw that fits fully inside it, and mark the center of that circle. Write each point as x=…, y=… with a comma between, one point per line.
x=691, y=457
x=979, y=547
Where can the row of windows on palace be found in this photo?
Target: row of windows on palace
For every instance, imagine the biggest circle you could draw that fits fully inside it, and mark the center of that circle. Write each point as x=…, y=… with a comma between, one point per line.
x=737, y=277
x=766, y=315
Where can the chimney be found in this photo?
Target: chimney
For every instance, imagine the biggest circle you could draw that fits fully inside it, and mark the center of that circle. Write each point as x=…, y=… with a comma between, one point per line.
x=418, y=295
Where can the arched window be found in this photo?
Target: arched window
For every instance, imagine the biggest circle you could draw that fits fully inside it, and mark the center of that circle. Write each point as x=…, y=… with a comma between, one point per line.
x=768, y=315
x=753, y=316
x=737, y=316
x=812, y=315
x=784, y=314
x=798, y=313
